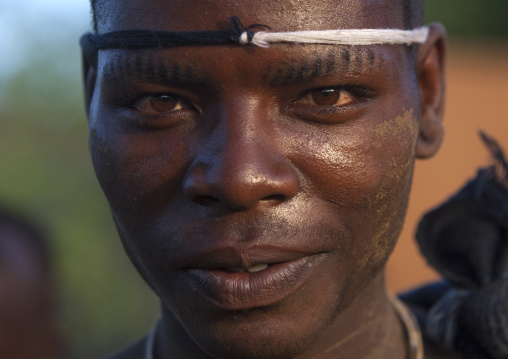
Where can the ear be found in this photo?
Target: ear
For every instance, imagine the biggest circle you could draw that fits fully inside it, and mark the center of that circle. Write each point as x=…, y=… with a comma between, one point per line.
x=89, y=64
x=430, y=69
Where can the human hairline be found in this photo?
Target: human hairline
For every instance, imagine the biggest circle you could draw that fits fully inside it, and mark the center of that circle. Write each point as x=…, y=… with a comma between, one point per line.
x=412, y=12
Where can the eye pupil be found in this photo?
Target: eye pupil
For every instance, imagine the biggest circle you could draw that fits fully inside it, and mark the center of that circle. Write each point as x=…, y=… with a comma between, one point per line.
x=163, y=103
x=326, y=97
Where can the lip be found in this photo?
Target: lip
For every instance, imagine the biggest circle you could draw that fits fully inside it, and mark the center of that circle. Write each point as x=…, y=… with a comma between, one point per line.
x=243, y=290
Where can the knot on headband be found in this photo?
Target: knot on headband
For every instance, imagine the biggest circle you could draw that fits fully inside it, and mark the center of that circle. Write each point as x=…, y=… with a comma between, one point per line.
x=243, y=35
x=140, y=39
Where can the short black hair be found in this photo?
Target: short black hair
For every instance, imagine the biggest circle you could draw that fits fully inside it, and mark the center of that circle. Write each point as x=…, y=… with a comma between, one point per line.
x=412, y=12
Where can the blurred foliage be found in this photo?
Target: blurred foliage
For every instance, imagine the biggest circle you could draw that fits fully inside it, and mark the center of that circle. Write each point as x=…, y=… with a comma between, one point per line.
x=477, y=19
x=45, y=170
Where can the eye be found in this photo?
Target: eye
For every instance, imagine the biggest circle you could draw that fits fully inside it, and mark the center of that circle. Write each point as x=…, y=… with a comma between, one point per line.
x=159, y=104
x=332, y=105
x=329, y=97
x=158, y=111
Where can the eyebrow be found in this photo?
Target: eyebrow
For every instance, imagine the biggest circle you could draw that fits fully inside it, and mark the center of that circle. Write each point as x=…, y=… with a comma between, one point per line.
x=300, y=70
x=344, y=60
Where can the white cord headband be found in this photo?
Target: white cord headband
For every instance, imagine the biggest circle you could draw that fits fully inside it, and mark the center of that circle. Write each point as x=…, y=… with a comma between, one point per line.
x=142, y=39
x=339, y=37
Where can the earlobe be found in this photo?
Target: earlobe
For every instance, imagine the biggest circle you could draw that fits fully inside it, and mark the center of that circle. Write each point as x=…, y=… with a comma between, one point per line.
x=431, y=81
x=89, y=64
x=431, y=134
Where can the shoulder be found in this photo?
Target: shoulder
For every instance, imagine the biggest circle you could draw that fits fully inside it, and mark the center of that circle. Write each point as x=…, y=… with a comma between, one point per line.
x=135, y=351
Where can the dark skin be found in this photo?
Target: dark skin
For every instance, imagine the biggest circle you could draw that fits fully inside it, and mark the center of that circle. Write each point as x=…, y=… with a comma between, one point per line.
x=222, y=158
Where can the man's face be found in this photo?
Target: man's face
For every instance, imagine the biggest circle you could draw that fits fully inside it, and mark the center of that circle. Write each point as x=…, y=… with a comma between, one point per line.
x=216, y=159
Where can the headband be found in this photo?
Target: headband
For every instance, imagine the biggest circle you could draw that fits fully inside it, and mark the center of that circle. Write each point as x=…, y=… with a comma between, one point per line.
x=139, y=39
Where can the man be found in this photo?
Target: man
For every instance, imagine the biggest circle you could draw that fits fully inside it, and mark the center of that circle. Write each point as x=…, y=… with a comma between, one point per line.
x=260, y=191
x=28, y=327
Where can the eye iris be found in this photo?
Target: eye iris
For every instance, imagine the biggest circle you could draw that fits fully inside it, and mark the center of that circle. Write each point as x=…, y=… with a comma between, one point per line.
x=326, y=97
x=163, y=103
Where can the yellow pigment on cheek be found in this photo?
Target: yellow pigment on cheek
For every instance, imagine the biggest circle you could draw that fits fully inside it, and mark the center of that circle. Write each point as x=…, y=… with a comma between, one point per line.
x=403, y=129
x=399, y=136
x=327, y=152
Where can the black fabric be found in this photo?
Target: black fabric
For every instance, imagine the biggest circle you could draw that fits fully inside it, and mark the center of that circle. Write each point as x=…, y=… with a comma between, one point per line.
x=421, y=299
x=466, y=240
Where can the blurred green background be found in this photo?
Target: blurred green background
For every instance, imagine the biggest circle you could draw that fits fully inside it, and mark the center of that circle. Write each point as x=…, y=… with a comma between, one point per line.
x=471, y=19
x=45, y=171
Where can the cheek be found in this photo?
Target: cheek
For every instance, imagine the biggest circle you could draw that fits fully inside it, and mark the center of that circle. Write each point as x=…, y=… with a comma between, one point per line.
x=392, y=149
x=354, y=166
x=393, y=146
x=363, y=175
x=138, y=172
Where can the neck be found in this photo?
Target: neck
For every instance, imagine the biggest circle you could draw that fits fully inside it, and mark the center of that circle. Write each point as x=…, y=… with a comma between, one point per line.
x=172, y=340
x=368, y=329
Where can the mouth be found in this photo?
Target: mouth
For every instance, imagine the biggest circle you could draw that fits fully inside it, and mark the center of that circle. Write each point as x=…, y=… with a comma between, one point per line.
x=253, y=269
x=259, y=285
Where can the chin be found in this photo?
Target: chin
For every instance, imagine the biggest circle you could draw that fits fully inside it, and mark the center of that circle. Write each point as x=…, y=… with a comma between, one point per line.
x=258, y=352
x=256, y=345
x=278, y=331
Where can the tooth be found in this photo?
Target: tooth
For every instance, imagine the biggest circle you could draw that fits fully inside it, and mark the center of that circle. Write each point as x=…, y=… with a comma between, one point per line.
x=257, y=268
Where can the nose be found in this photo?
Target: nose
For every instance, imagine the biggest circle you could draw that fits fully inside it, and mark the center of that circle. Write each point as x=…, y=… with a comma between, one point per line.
x=241, y=163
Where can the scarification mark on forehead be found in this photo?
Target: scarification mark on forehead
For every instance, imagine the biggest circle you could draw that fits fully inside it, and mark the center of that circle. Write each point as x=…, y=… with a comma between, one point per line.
x=150, y=67
x=345, y=60
x=295, y=68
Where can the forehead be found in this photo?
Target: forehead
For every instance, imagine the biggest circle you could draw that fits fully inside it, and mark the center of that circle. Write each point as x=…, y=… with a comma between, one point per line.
x=268, y=68
x=279, y=65
x=280, y=15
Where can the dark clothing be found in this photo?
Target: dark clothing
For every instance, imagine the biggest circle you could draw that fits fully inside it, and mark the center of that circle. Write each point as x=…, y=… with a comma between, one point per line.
x=466, y=240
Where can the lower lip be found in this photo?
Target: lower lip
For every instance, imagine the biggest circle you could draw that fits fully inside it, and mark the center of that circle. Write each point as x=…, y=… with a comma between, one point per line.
x=237, y=291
